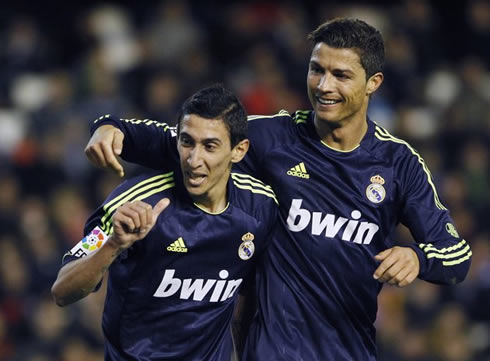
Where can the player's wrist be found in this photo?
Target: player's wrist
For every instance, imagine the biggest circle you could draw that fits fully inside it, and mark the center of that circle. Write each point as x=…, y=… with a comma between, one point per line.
x=115, y=245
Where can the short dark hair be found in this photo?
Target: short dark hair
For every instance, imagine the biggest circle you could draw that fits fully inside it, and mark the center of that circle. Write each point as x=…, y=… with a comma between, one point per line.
x=216, y=102
x=353, y=34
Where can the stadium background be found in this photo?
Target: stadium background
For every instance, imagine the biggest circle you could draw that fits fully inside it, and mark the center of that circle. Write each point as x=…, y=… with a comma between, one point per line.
x=63, y=64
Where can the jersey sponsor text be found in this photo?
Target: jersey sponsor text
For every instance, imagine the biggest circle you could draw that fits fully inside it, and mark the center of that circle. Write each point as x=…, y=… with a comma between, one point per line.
x=197, y=288
x=355, y=231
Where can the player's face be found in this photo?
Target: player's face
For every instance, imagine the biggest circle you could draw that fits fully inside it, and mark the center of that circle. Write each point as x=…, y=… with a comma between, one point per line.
x=337, y=85
x=206, y=157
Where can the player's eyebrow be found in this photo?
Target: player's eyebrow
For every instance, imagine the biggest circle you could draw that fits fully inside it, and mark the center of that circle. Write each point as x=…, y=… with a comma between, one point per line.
x=212, y=140
x=313, y=62
x=204, y=141
x=339, y=70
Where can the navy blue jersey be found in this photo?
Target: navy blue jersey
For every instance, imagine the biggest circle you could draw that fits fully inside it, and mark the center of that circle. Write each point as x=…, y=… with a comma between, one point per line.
x=316, y=294
x=171, y=295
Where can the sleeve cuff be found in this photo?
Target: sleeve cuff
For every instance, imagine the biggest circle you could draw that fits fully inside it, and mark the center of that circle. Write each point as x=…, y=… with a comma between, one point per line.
x=104, y=120
x=423, y=262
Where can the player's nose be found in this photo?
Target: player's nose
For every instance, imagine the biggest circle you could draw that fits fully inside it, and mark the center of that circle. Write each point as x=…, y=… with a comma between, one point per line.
x=325, y=83
x=194, y=158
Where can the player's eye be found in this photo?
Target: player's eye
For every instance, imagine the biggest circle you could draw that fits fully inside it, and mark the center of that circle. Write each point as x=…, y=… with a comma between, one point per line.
x=315, y=69
x=340, y=75
x=185, y=141
x=211, y=147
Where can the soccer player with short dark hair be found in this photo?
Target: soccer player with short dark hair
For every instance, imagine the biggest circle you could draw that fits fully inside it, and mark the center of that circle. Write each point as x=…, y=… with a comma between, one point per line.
x=174, y=275
x=344, y=183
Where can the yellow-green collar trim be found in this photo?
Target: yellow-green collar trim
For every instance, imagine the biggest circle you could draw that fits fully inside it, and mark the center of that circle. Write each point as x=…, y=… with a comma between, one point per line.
x=212, y=213
x=338, y=150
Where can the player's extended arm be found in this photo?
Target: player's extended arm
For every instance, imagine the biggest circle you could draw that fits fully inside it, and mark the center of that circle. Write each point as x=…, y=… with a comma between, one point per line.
x=142, y=141
x=399, y=266
x=132, y=222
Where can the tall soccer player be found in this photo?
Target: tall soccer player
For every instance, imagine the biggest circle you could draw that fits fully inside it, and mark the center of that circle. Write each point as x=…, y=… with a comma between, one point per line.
x=174, y=276
x=343, y=183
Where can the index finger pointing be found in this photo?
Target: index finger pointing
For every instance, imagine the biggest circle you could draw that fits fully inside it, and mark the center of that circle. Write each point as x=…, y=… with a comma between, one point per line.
x=111, y=159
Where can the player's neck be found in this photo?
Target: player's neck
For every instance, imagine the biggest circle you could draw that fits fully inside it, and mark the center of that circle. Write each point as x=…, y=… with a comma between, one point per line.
x=343, y=136
x=212, y=202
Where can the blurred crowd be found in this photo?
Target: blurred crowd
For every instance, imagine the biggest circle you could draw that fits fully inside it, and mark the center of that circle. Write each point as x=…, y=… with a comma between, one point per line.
x=63, y=65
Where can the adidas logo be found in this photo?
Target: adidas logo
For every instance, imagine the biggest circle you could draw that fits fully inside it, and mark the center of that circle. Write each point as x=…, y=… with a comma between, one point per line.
x=299, y=171
x=177, y=246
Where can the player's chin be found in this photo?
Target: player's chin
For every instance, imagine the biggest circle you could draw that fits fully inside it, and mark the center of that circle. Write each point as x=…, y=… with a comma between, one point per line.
x=325, y=113
x=195, y=190
x=326, y=117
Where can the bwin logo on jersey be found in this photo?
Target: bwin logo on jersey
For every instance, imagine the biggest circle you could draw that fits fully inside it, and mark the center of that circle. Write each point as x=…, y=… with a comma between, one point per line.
x=197, y=288
x=355, y=231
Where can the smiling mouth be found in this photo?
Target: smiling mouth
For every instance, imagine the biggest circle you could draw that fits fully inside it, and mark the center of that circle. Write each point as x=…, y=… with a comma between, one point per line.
x=327, y=101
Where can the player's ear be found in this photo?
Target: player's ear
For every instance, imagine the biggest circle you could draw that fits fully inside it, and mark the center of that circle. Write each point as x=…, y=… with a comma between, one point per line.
x=239, y=150
x=374, y=82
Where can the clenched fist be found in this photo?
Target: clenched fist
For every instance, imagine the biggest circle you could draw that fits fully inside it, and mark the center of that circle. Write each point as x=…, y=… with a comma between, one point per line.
x=133, y=220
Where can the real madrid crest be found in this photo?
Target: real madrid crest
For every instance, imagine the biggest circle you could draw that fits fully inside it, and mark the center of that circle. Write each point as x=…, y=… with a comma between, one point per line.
x=375, y=192
x=247, y=247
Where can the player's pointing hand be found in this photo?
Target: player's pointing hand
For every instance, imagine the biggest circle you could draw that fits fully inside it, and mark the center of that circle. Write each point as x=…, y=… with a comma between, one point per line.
x=104, y=146
x=399, y=266
x=133, y=220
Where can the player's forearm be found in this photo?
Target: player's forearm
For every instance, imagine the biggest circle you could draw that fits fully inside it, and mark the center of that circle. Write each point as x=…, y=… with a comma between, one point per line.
x=78, y=278
x=145, y=140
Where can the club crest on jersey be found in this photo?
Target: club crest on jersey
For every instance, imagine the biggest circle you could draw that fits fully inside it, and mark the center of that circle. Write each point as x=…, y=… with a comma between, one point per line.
x=247, y=247
x=248, y=237
x=375, y=192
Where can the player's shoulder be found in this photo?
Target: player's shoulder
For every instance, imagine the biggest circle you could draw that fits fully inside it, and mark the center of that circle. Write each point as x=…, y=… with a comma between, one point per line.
x=150, y=122
x=282, y=127
x=251, y=192
x=116, y=121
x=391, y=146
x=283, y=120
x=148, y=187
x=141, y=187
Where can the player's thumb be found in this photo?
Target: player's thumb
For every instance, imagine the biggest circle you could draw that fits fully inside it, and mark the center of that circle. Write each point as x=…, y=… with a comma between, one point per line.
x=117, y=142
x=159, y=207
x=382, y=255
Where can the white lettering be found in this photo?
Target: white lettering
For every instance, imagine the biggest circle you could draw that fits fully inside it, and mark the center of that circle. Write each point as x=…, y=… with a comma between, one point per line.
x=168, y=280
x=371, y=229
x=197, y=288
x=328, y=223
x=299, y=218
x=231, y=287
x=296, y=211
x=351, y=226
x=219, y=286
x=189, y=287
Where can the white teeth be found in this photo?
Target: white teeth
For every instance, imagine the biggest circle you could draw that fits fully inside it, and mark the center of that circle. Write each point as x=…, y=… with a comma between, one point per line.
x=327, y=101
x=196, y=176
x=195, y=180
